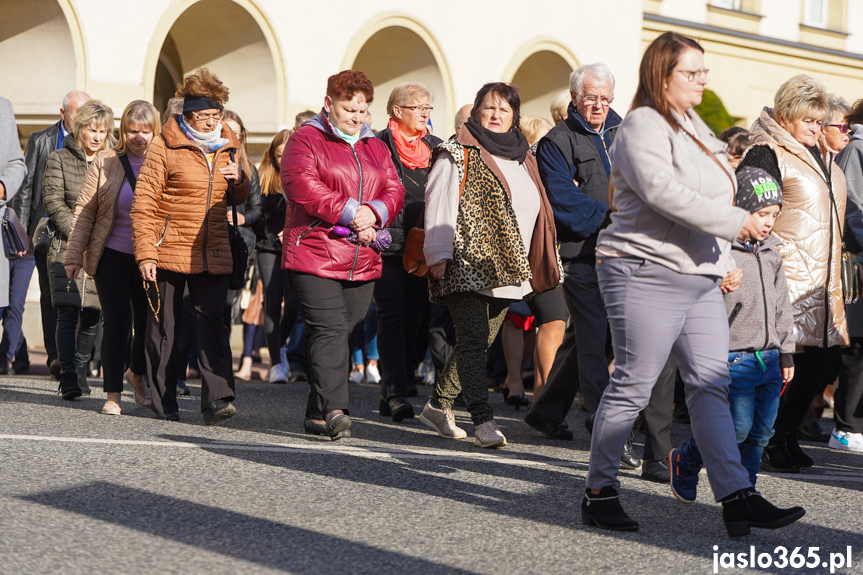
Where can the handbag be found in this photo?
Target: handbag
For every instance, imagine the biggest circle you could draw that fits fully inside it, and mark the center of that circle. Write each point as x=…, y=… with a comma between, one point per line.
x=239, y=251
x=414, y=260
x=851, y=285
x=15, y=238
x=43, y=234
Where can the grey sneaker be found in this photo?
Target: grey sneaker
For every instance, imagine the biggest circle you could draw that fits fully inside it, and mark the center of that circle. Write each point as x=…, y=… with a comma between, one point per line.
x=442, y=421
x=488, y=434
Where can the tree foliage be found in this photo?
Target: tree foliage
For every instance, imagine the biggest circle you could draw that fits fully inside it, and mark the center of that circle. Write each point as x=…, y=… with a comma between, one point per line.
x=713, y=112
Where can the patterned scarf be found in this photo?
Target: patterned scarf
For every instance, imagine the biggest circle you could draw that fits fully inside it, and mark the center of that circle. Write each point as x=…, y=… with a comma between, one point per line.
x=209, y=143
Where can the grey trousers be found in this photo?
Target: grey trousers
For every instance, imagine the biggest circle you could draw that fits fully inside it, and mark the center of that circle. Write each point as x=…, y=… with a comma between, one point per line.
x=654, y=311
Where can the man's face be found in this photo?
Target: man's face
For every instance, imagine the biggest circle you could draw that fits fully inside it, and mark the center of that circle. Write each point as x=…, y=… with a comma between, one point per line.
x=590, y=102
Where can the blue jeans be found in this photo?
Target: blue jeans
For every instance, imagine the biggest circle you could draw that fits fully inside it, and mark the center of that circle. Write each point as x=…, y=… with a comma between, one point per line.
x=20, y=271
x=754, y=398
x=366, y=338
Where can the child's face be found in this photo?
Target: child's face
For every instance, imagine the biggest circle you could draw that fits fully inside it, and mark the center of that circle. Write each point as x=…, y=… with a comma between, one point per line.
x=767, y=218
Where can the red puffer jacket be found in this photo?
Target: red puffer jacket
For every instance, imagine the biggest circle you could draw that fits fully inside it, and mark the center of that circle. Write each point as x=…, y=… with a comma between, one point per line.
x=325, y=181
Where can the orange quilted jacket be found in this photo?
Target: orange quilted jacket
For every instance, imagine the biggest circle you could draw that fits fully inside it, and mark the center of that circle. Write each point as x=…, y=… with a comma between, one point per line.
x=179, y=214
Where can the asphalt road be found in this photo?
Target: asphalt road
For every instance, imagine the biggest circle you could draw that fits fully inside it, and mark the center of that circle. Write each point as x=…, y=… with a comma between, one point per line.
x=85, y=493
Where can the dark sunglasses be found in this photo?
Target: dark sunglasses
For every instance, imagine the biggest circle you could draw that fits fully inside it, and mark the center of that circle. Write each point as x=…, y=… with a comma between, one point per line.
x=842, y=127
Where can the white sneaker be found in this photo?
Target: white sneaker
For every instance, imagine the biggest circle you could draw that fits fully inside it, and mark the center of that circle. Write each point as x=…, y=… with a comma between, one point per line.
x=846, y=441
x=356, y=376
x=488, y=434
x=372, y=373
x=277, y=375
x=442, y=421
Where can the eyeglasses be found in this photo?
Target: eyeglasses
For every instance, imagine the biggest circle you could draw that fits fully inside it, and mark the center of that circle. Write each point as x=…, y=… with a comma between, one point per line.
x=691, y=75
x=841, y=127
x=207, y=117
x=420, y=109
x=591, y=100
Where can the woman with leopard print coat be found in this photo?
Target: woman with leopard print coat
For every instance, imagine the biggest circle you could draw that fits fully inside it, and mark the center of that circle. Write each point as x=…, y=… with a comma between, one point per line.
x=490, y=240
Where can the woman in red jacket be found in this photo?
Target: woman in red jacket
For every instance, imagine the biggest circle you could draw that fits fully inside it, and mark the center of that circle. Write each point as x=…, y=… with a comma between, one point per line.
x=335, y=173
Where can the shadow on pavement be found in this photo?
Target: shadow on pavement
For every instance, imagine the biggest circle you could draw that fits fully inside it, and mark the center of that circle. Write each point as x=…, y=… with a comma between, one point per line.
x=260, y=541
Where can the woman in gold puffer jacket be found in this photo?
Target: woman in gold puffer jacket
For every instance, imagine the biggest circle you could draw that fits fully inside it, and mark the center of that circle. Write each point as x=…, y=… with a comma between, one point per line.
x=788, y=143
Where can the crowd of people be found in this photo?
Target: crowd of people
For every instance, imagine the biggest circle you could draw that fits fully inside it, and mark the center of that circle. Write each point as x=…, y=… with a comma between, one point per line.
x=650, y=270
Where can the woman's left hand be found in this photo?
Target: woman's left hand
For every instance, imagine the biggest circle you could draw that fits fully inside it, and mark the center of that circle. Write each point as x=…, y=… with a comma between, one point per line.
x=732, y=281
x=367, y=236
x=72, y=271
x=241, y=219
x=231, y=171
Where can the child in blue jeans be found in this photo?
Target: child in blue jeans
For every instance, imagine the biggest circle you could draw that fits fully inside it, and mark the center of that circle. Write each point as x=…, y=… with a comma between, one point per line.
x=761, y=341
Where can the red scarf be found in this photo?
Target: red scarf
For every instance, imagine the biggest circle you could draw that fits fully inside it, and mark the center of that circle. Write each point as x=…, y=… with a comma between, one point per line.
x=413, y=154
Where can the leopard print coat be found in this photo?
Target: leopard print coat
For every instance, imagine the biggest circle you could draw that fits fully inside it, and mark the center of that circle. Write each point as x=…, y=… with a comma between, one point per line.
x=488, y=250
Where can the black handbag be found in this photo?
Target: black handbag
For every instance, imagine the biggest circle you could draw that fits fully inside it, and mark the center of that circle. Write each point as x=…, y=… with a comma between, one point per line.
x=239, y=251
x=15, y=238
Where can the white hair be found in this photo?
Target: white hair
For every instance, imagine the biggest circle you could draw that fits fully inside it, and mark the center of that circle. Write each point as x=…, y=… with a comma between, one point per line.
x=75, y=95
x=598, y=71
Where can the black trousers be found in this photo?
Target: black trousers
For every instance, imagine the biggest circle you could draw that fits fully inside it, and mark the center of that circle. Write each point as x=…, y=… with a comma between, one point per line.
x=124, y=307
x=441, y=336
x=76, y=332
x=332, y=309
x=277, y=324
x=49, y=314
x=814, y=368
x=208, y=293
x=848, y=399
x=584, y=349
x=658, y=414
x=402, y=300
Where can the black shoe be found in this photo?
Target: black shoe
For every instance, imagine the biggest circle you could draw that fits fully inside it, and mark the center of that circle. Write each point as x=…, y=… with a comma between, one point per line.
x=811, y=432
x=313, y=428
x=604, y=511
x=517, y=401
x=777, y=459
x=22, y=368
x=338, y=427
x=746, y=508
x=173, y=416
x=547, y=427
x=182, y=388
x=297, y=374
x=68, y=387
x=217, y=411
x=4, y=368
x=81, y=373
x=796, y=453
x=628, y=459
x=588, y=423
x=55, y=369
x=656, y=471
x=397, y=407
x=413, y=391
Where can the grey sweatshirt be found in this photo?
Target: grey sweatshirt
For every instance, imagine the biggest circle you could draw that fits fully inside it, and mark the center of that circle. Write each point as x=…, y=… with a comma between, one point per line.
x=763, y=319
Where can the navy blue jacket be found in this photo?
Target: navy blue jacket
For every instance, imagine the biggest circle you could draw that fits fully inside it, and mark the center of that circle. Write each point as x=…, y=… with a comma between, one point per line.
x=574, y=152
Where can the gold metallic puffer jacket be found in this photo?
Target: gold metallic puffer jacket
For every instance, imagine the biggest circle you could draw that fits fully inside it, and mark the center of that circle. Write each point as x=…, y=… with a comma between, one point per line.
x=806, y=226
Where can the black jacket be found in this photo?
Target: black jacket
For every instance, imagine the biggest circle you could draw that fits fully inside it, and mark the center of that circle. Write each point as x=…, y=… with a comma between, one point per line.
x=410, y=213
x=27, y=203
x=275, y=212
x=252, y=210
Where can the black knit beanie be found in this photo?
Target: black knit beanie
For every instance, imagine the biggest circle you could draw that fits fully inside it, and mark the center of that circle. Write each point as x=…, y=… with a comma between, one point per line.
x=756, y=189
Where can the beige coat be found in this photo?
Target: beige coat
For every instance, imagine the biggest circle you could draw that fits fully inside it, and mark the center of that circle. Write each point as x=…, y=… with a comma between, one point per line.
x=94, y=211
x=804, y=226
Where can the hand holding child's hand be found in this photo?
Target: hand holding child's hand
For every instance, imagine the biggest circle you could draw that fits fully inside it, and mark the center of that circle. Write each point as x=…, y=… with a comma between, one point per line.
x=787, y=374
x=732, y=281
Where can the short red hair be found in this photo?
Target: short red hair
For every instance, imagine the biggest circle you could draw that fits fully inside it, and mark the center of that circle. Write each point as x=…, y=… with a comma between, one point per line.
x=346, y=84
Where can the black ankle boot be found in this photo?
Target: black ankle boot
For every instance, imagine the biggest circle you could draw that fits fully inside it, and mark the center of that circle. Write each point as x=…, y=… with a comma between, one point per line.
x=81, y=374
x=796, y=453
x=604, y=511
x=68, y=387
x=628, y=458
x=777, y=459
x=746, y=508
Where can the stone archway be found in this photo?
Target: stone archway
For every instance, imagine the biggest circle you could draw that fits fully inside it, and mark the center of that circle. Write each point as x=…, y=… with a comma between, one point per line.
x=399, y=53
x=38, y=35
x=229, y=39
x=539, y=78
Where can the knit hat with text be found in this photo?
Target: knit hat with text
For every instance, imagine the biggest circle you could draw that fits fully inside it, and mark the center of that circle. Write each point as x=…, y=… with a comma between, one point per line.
x=756, y=189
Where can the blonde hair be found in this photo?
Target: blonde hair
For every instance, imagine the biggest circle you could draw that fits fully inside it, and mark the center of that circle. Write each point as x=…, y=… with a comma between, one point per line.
x=138, y=112
x=534, y=128
x=98, y=112
x=406, y=93
x=268, y=173
x=559, y=105
x=800, y=96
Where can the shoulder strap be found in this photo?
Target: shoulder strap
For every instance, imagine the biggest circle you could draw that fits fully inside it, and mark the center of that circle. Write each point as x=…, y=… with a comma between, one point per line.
x=715, y=159
x=127, y=167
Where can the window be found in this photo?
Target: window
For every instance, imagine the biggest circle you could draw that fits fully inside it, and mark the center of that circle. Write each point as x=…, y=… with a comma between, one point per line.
x=815, y=13
x=727, y=4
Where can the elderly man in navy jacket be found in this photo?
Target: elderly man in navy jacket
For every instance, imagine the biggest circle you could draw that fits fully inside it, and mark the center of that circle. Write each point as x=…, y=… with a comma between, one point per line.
x=575, y=167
